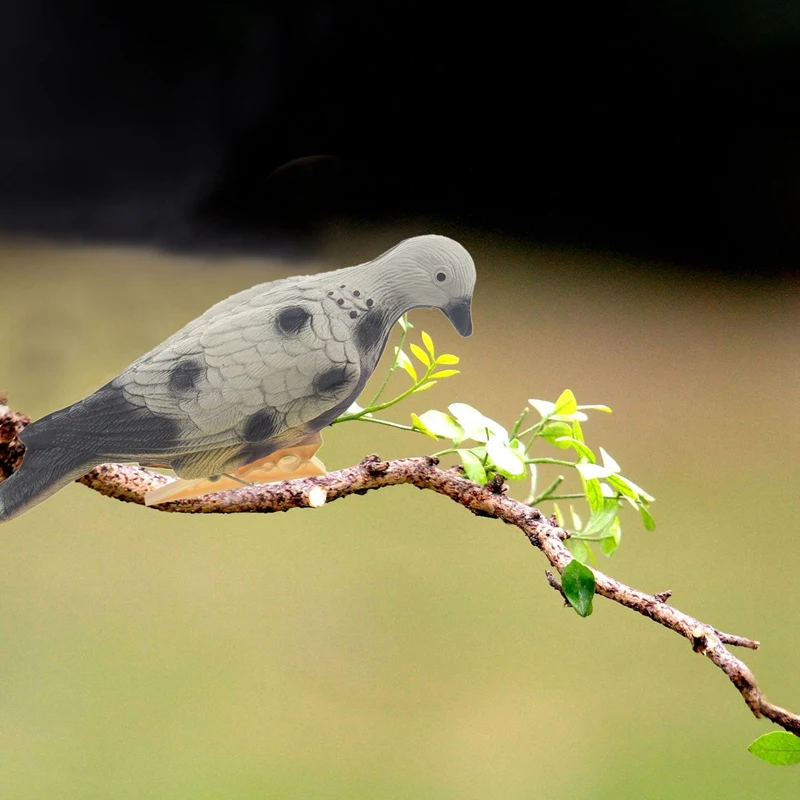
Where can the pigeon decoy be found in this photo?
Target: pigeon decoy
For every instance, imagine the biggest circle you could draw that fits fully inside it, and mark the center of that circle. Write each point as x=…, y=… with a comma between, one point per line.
x=241, y=393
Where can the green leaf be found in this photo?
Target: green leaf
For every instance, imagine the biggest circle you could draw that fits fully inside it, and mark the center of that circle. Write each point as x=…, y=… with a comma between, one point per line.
x=442, y=424
x=420, y=354
x=608, y=544
x=647, y=518
x=473, y=466
x=423, y=387
x=594, y=494
x=445, y=373
x=418, y=425
x=559, y=516
x=622, y=486
x=595, y=408
x=447, y=358
x=602, y=520
x=578, y=584
x=566, y=403
x=778, y=747
x=577, y=522
x=579, y=550
x=550, y=410
x=507, y=461
x=404, y=323
x=428, y=342
x=405, y=362
x=618, y=482
x=609, y=462
x=475, y=424
x=583, y=450
x=553, y=431
x=591, y=471
x=577, y=432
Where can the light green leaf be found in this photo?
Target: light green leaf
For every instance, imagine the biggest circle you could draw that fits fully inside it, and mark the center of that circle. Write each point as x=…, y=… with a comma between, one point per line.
x=423, y=387
x=579, y=550
x=475, y=424
x=566, y=403
x=622, y=486
x=447, y=358
x=428, y=342
x=404, y=323
x=602, y=520
x=610, y=543
x=777, y=747
x=506, y=460
x=549, y=410
x=594, y=494
x=647, y=518
x=519, y=447
x=420, y=354
x=544, y=407
x=579, y=415
x=566, y=408
x=418, y=425
x=405, y=362
x=595, y=408
x=608, y=462
x=445, y=373
x=442, y=424
x=609, y=491
x=583, y=450
x=578, y=584
x=553, y=431
x=473, y=467
x=559, y=515
x=591, y=471
x=577, y=432
x=577, y=522
x=638, y=493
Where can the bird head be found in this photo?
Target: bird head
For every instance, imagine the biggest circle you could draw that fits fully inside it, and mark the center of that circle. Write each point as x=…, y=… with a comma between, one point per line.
x=434, y=272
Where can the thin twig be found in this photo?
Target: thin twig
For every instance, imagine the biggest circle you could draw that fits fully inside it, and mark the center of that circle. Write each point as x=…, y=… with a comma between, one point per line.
x=130, y=484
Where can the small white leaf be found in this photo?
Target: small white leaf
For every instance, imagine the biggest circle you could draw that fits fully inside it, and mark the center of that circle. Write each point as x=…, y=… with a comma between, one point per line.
x=590, y=471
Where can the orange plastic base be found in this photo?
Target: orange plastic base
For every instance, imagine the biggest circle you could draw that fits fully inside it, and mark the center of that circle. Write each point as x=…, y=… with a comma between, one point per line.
x=282, y=465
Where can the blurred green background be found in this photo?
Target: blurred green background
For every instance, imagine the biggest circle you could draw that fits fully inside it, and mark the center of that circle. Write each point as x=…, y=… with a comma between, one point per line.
x=392, y=645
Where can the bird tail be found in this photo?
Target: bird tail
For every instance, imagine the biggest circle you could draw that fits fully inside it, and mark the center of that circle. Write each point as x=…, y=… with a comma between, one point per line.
x=46, y=469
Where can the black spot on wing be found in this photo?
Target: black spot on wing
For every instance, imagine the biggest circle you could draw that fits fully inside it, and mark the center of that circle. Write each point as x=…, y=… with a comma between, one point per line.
x=291, y=320
x=184, y=376
x=371, y=331
x=332, y=381
x=262, y=425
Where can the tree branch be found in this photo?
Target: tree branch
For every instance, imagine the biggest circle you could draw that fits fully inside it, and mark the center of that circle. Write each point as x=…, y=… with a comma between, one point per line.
x=130, y=484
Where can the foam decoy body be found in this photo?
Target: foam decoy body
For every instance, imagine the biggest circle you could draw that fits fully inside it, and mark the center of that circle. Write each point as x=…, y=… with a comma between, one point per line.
x=256, y=376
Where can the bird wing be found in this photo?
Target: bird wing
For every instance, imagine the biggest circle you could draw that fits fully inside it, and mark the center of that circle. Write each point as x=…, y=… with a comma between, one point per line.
x=270, y=365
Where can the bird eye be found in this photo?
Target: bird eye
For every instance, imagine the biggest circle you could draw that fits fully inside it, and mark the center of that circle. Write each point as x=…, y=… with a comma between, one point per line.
x=440, y=276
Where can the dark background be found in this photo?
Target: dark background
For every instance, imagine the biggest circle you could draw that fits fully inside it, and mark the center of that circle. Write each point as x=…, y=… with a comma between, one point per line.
x=664, y=129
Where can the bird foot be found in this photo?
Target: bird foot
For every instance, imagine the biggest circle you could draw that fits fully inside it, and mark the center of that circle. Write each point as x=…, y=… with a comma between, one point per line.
x=299, y=461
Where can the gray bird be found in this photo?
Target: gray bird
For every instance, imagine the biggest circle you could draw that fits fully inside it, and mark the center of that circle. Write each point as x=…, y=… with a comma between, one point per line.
x=261, y=372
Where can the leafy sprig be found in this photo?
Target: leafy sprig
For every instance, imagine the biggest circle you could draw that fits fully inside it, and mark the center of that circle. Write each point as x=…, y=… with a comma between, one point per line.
x=486, y=448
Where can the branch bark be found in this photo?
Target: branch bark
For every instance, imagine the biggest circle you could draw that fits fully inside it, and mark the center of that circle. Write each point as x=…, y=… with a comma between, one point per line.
x=130, y=484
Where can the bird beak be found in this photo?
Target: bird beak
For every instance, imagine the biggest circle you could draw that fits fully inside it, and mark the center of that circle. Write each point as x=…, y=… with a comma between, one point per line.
x=458, y=312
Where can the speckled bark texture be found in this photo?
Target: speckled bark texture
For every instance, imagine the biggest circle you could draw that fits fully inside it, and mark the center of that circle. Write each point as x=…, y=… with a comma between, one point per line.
x=130, y=484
